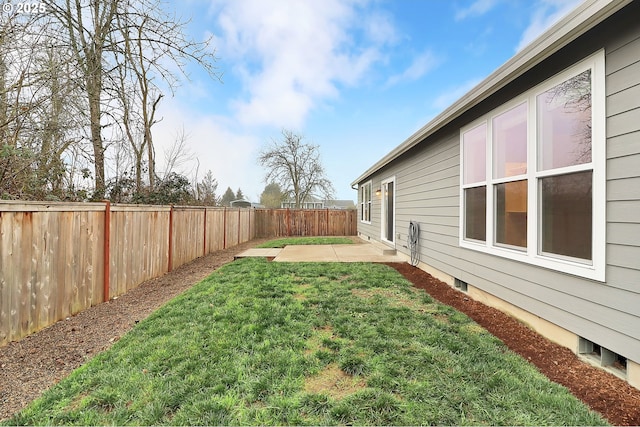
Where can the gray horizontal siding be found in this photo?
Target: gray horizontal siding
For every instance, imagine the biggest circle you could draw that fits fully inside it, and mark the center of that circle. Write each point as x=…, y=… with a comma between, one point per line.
x=622, y=123
x=623, y=173
x=624, y=189
x=623, y=233
x=624, y=256
x=624, y=278
x=623, y=145
x=624, y=78
x=623, y=52
x=623, y=211
x=623, y=101
x=427, y=190
x=623, y=167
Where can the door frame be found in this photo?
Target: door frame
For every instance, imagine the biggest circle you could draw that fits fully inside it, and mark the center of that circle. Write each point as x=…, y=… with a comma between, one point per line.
x=384, y=208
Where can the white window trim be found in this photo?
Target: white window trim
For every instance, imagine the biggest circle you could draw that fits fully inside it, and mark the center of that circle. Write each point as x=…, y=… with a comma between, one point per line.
x=594, y=270
x=362, y=202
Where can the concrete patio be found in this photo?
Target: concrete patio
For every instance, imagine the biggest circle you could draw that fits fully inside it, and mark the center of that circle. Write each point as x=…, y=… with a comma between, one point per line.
x=357, y=252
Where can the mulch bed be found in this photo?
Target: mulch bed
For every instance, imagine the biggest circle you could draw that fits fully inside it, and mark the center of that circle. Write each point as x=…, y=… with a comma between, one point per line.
x=605, y=393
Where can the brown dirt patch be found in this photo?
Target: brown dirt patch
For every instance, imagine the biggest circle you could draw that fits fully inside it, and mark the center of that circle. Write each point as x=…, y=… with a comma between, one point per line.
x=605, y=393
x=334, y=382
x=315, y=341
x=395, y=298
x=30, y=366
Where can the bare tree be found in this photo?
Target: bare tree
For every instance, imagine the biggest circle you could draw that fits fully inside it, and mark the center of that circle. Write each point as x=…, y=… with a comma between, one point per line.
x=14, y=159
x=88, y=27
x=58, y=127
x=151, y=41
x=144, y=93
x=80, y=88
x=178, y=153
x=36, y=100
x=138, y=104
x=296, y=167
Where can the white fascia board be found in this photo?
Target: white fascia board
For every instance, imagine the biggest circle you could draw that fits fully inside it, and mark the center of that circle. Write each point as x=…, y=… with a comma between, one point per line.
x=583, y=18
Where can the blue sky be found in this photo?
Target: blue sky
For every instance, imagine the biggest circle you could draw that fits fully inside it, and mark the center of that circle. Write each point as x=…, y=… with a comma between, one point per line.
x=356, y=77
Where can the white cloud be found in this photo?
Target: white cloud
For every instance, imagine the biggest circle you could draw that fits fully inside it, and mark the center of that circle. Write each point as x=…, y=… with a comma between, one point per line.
x=447, y=98
x=293, y=55
x=477, y=8
x=420, y=66
x=380, y=29
x=231, y=156
x=545, y=14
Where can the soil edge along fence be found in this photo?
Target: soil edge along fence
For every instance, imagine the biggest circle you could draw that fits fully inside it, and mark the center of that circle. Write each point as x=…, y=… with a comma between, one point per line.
x=57, y=259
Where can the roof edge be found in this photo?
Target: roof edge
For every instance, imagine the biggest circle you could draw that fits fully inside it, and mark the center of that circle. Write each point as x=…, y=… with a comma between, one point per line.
x=583, y=18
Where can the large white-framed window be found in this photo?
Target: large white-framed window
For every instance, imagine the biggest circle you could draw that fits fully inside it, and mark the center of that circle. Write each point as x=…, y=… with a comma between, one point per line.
x=532, y=178
x=365, y=202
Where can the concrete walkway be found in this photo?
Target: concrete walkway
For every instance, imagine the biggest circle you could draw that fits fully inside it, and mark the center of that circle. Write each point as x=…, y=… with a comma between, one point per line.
x=365, y=252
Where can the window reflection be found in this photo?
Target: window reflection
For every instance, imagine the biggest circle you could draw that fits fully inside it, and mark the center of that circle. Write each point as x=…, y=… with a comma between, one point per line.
x=564, y=123
x=511, y=213
x=475, y=213
x=567, y=215
x=475, y=154
x=510, y=142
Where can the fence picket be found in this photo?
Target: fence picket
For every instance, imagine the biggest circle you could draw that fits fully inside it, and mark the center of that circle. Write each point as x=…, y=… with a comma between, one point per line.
x=53, y=261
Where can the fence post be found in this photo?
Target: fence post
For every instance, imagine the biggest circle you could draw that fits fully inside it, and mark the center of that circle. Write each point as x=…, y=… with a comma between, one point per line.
x=170, y=266
x=204, y=238
x=239, y=225
x=224, y=228
x=327, y=229
x=107, y=251
x=288, y=223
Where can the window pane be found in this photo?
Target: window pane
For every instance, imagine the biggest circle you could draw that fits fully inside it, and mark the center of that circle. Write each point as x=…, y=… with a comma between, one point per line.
x=474, y=149
x=475, y=213
x=511, y=213
x=366, y=202
x=510, y=142
x=567, y=215
x=564, y=123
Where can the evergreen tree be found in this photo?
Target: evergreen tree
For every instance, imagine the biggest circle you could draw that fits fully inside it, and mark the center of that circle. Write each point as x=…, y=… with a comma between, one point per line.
x=207, y=190
x=228, y=197
x=272, y=196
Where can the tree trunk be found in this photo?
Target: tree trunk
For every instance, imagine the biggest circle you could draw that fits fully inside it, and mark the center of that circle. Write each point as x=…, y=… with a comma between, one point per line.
x=93, y=91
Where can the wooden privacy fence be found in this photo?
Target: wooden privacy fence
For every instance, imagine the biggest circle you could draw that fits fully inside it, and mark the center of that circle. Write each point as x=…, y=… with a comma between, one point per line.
x=306, y=222
x=57, y=259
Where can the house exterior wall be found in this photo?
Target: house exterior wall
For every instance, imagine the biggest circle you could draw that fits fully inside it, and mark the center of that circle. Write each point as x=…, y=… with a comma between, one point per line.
x=427, y=180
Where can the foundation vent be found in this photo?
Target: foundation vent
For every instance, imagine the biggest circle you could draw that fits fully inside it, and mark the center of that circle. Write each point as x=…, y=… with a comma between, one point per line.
x=460, y=284
x=602, y=357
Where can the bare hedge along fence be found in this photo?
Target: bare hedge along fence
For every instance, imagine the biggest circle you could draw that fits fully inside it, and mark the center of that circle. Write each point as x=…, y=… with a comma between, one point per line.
x=57, y=259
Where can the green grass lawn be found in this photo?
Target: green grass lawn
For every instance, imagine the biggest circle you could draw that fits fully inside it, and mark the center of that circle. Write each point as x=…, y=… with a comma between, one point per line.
x=281, y=243
x=261, y=343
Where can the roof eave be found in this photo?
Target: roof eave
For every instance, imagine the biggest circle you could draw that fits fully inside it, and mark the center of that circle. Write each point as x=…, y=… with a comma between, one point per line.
x=583, y=18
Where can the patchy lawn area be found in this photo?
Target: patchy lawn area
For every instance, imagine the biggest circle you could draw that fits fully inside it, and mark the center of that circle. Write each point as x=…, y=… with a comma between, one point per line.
x=307, y=344
x=281, y=243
